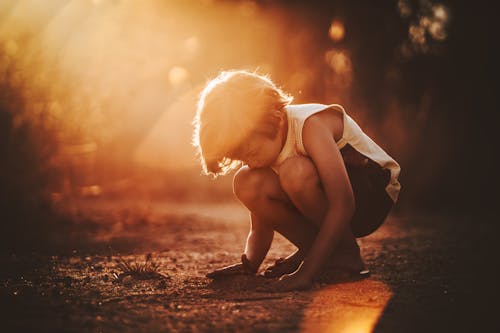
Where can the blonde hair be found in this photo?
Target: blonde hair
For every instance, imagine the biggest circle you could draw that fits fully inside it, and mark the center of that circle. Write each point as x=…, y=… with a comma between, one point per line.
x=231, y=108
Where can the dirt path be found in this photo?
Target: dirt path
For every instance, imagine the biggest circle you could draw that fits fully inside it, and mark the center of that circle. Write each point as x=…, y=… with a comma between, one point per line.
x=424, y=278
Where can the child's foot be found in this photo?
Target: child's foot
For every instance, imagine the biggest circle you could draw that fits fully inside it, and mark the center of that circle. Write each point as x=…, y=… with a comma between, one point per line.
x=343, y=272
x=346, y=261
x=347, y=264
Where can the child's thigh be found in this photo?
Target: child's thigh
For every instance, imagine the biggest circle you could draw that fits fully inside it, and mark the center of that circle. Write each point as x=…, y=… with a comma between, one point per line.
x=255, y=184
x=297, y=174
x=372, y=201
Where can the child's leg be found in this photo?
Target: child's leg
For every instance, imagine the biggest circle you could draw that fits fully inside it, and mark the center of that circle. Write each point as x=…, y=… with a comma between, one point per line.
x=271, y=209
x=300, y=180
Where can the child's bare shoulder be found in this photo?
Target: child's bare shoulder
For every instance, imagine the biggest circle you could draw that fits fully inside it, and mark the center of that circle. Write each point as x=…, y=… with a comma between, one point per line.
x=331, y=118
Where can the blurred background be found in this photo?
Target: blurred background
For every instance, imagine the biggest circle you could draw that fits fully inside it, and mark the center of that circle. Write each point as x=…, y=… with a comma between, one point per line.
x=97, y=97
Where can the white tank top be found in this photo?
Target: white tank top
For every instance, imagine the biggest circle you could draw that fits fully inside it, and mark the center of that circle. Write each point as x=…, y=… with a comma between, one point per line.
x=352, y=135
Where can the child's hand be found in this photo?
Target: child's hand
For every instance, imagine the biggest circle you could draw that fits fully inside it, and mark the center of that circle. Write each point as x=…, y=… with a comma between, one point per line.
x=282, y=267
x=236, y=269
x=243, y=268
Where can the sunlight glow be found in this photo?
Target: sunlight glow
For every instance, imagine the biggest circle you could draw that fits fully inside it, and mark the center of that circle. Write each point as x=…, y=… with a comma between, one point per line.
x=428, y=25
x=404, y=8
x=353, y=307
x=336, y=31
x=11, y=48
x=339, y=61
x=417, y=34
x=437, y=31
x=177, y=75
x=191, y=47
x=105, y=71
x=340, y=76
x=440, y=13
x=117, y=81
x=91, y=191
x=425, y=21
x=248, y=8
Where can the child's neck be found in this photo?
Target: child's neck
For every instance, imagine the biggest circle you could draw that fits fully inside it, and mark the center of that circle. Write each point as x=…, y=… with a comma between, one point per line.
x=284, y=129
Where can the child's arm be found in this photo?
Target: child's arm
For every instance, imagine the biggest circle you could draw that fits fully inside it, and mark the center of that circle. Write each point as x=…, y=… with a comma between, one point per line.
x=257, y=245
x=320, y=145
x=258, y=242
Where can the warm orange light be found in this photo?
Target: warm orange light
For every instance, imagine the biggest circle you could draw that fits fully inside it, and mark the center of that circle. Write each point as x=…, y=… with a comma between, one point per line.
x=440, y=13
x=339, y=61
x=91, y=191
x=425, y=21
x=191, y=46
x=336, y=31
x=177, y=75
x=120, y=82
x=404, y=8
x=417, y=34
x=11, y=48
x=346, y=308
x=248, y=8
x=437, y=30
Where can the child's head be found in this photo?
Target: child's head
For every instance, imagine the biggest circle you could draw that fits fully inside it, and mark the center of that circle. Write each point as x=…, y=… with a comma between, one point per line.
x=233, y=109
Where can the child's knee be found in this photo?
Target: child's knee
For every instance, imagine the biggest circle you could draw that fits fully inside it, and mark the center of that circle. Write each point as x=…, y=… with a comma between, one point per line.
x=249, y=184
x=298, y=174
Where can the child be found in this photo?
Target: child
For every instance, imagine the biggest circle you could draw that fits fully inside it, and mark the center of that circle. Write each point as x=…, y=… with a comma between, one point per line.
x=306, y=171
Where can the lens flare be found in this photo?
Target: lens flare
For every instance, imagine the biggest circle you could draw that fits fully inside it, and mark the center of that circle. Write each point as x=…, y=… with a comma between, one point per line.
x=339, y=61
x=437, y=30
x=177, y=75
x=404, y=8
x=440, y=12
x=336, y=31
x=417, y=34
x=191, y=47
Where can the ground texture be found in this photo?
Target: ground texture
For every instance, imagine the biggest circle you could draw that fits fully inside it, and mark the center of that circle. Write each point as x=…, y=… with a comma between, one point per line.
x=430, y=273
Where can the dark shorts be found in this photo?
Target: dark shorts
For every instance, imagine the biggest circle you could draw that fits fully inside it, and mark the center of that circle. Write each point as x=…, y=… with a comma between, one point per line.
x=372, y=201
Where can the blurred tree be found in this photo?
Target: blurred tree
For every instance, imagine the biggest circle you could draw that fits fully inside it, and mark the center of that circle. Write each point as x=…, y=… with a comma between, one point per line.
x=26, y=150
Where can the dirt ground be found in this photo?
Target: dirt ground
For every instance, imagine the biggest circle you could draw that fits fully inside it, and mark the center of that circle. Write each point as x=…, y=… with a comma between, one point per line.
x=430, y=273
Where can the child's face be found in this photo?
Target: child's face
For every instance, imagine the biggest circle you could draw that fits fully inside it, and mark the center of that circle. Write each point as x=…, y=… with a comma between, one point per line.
x=261, y=151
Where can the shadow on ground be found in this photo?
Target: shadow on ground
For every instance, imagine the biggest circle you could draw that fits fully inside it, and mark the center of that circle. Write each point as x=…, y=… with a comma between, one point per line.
x=428, y=275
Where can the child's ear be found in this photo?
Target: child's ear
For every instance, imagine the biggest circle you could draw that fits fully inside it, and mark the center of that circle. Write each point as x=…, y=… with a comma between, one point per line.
x=279, y=114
